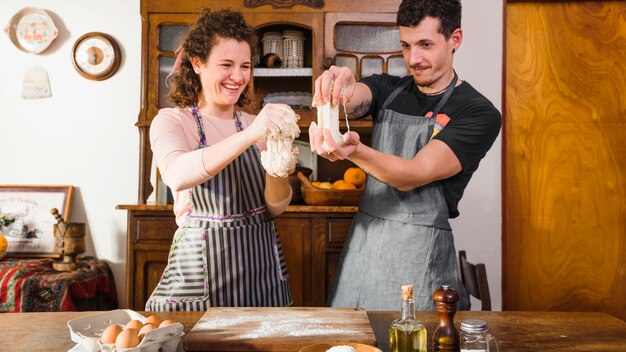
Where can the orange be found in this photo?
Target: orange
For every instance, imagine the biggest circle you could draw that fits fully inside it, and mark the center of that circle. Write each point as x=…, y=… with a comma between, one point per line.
x=355, y=176
x=338, y=184
x=341, y=184
x=316, y=183
x=3, y=245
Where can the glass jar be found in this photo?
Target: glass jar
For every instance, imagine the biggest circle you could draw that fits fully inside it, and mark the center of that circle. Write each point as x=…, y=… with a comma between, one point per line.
x=475, y=336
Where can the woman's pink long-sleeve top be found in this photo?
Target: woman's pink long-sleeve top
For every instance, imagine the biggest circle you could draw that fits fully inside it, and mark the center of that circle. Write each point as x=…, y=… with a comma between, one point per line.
x=174, y=138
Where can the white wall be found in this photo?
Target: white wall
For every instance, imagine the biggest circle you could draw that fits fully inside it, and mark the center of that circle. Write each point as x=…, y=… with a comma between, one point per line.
x=84, y=135
x=478, y=229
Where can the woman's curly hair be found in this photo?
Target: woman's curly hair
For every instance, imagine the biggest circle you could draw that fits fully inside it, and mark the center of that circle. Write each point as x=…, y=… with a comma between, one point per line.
x=199, y=42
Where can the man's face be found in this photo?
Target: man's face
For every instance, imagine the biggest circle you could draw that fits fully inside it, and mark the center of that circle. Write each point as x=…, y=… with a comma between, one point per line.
x=428, y=54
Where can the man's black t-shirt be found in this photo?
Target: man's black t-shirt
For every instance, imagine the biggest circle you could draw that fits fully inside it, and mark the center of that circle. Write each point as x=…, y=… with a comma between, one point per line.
x=473, y=124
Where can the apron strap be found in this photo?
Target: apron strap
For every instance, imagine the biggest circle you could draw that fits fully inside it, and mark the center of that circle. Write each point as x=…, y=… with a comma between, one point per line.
x=395, y=93
x=446, y=95
x=442, y=102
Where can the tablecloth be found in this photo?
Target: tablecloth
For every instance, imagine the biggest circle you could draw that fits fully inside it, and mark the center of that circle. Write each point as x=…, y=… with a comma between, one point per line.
x=32, y=285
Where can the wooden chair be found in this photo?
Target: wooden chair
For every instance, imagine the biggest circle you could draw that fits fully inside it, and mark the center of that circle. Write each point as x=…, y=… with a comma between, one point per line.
x=474, y=278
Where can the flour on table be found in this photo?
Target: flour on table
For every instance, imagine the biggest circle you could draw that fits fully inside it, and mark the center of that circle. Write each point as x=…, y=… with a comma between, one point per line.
x=276, y=325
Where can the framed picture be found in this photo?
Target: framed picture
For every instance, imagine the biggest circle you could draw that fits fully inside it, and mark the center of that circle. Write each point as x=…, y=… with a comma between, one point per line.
x=31, y=234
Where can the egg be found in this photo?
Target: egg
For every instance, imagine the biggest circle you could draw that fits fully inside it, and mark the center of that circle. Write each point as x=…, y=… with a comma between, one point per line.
x=166, y=322
x=134, y=324
x=152, y=320
x=146, y=328
x=110, y=334
x=128, y=338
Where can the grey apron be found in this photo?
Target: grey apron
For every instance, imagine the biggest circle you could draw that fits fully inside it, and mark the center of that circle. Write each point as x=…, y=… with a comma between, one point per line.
x=227, y=254
x=398, y=237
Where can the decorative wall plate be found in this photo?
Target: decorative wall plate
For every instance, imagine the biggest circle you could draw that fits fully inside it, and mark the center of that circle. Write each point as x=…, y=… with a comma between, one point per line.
x=31, y=30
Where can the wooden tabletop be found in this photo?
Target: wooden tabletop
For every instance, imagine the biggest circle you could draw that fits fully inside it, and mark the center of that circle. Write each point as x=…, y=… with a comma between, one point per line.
x=515, y=331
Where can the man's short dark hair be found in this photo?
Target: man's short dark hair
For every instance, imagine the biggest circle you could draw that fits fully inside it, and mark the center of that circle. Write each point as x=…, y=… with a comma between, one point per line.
x=412, y=12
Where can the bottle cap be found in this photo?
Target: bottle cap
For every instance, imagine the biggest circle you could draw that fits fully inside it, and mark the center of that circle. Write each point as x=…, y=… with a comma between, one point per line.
x=407, y=291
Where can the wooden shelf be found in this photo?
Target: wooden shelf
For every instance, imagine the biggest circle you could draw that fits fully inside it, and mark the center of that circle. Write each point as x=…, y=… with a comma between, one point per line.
x=283, y=72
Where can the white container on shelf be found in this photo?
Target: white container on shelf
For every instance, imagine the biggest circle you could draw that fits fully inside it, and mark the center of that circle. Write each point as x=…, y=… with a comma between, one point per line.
x=272, y=43
x=293, y=49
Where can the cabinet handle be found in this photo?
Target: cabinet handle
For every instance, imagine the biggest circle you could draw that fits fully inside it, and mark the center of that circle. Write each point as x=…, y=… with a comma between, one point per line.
x=328, y=61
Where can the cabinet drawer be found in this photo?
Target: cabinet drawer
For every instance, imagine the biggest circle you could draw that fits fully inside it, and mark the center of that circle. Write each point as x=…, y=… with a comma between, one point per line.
x=338, y=230
x=155, y=228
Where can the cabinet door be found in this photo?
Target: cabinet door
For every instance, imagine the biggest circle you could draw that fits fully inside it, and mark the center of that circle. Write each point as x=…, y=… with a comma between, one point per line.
x=295, y=238
x=165, y=34
x=367, y=43
x=337, y=233
x=149, y=266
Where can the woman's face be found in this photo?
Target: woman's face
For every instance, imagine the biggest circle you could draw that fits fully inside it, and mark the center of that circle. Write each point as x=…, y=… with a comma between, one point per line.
x=225, y=74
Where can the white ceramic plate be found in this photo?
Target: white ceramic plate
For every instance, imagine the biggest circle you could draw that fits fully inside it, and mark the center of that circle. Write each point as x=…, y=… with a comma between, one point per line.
x=31, y=30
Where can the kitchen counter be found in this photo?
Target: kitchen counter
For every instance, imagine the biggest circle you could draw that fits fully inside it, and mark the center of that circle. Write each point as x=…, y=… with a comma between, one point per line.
x=515, y=331
x=292, y=208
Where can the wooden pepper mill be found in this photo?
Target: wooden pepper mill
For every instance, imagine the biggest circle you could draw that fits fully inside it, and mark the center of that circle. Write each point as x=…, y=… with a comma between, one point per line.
x=446, y=336
x=70, y=241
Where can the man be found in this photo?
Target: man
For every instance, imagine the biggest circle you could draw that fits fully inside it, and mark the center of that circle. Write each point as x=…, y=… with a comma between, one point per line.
x=430, y=131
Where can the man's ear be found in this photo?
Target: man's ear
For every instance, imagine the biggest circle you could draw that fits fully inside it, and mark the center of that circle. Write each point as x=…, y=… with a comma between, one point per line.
x=456, y=38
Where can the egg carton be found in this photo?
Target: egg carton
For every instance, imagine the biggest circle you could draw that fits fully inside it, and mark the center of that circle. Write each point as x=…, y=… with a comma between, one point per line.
x=86, y=332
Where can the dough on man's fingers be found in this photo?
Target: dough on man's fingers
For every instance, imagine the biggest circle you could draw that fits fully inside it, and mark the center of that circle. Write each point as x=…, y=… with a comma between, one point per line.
x=328, y=117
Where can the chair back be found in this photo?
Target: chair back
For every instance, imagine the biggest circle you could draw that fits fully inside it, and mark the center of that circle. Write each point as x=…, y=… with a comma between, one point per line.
x=474, y=278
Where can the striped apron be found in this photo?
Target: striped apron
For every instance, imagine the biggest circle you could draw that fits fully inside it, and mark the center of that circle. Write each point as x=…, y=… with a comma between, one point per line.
x=398, y=237
x=227, y=254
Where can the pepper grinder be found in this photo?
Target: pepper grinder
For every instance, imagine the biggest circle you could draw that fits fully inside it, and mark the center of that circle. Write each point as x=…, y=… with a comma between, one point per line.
x=446, y=336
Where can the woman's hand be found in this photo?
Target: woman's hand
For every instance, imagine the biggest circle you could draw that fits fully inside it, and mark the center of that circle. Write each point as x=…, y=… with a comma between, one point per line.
x=270, y=121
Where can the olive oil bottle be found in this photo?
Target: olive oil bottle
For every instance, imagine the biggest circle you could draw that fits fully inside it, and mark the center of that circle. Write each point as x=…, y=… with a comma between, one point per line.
x=407, y=334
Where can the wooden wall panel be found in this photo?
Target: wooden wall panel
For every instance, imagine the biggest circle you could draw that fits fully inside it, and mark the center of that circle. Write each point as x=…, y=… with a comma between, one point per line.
x=564, y=240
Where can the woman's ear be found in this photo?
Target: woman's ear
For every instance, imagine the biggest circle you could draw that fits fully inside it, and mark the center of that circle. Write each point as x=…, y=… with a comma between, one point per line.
x=195, y=63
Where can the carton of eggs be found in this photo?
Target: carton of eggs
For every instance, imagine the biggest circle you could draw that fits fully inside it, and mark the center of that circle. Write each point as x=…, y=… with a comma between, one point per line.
x=126, y=330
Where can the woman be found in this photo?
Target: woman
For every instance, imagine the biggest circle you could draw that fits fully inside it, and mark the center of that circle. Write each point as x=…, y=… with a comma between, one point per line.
x=226, y=251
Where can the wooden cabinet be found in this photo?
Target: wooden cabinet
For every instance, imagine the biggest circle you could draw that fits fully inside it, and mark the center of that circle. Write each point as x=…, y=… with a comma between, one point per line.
x=366, y=41
x=312, y=239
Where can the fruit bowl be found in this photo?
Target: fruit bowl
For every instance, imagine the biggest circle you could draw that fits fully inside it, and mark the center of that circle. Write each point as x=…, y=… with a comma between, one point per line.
x=318, y=196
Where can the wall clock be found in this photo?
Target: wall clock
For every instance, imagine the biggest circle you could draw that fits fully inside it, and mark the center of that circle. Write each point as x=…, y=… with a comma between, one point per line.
x=96, y=56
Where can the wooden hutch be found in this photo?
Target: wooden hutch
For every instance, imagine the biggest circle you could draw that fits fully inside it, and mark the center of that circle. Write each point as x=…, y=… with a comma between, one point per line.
x=363, y=37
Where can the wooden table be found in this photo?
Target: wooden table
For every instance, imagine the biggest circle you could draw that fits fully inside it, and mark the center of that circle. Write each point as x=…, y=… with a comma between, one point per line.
x=515, y=331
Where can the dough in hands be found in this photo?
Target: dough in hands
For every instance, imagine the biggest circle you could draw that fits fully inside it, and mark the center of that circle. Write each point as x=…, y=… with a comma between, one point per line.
x=279, y=159
x=328, y=117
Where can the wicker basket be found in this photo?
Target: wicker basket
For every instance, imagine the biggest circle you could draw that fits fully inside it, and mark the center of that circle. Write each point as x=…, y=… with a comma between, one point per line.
x=272, y=43
x=293, y=49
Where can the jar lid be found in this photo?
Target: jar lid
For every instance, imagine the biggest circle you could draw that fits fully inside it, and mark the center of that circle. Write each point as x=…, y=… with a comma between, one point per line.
x=474, y=325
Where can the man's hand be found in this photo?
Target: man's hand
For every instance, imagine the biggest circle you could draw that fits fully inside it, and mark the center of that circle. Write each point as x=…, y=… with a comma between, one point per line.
x=351, y=141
